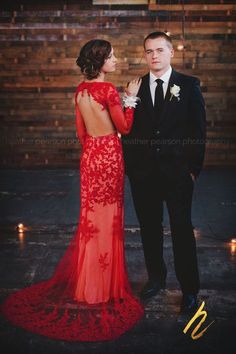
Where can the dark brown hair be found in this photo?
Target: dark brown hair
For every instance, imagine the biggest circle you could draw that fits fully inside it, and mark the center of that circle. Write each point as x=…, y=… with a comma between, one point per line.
x=92, y=57
x=155, y=35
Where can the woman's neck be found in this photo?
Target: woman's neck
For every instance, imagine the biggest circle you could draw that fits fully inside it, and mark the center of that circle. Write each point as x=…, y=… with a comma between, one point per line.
x=100, y=78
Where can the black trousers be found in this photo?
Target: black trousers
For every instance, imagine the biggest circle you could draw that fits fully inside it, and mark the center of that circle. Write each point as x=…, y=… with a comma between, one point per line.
x=149, y=193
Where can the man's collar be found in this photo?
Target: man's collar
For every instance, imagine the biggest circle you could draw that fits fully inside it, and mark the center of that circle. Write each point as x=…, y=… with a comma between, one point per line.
x=165, y=77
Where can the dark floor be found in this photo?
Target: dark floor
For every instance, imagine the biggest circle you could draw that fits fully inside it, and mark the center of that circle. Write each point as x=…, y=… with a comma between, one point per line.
x=47, y=203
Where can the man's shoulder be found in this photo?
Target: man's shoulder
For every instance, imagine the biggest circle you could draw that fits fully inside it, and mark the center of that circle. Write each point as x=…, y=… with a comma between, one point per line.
x=188, y=79
x=145, y=76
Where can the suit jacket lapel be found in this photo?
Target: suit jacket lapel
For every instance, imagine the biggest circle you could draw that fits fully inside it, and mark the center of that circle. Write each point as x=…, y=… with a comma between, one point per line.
x=147, y=98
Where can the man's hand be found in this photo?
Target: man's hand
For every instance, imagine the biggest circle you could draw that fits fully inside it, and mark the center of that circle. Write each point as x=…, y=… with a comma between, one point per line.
x=193, y=177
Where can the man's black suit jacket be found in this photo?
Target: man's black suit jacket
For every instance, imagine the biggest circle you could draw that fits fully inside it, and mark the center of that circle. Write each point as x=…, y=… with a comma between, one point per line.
x=176, y=142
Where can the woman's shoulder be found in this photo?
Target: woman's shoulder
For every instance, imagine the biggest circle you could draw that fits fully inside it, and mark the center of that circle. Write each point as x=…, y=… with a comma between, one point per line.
x=110, y=86
x=79, y=85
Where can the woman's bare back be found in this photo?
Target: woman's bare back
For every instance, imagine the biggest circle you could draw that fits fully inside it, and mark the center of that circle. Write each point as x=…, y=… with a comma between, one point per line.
x=96, y=119
x=99, y=111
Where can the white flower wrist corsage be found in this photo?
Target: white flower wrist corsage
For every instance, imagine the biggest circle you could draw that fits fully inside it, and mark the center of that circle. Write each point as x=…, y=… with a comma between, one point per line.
x=130, y=101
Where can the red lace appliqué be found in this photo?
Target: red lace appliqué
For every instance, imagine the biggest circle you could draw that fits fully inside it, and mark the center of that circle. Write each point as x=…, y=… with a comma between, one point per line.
x=87, y=229
x=102, y=158
x=101, y=92
x=103, y=260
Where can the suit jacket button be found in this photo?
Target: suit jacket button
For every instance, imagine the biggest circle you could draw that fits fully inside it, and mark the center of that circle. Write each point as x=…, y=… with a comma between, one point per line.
x=158, y=132
x=158, y=149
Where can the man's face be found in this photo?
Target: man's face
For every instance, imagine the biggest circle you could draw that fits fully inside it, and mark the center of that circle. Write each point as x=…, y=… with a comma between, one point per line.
x=158, y=54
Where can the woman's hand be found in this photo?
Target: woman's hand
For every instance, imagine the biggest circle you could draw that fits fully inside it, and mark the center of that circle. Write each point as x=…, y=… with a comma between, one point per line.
x=133, y=87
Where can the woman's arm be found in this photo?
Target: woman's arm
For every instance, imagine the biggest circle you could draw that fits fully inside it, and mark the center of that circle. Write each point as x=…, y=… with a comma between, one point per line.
x=122, y=119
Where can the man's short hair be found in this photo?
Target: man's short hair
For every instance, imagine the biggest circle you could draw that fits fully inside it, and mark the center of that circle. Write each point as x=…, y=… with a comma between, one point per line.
x=155, y=35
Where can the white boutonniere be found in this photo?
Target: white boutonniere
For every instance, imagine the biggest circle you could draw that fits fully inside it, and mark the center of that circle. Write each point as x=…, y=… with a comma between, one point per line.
x=174, y=90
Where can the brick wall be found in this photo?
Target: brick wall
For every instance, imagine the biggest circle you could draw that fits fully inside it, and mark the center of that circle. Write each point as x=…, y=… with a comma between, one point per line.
x=39, y=45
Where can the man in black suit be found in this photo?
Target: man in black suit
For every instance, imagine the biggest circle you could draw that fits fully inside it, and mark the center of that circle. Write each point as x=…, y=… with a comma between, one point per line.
x=164, y=153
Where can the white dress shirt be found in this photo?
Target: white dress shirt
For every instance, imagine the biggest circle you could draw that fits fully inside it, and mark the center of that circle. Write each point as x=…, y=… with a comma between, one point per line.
x=152, y=83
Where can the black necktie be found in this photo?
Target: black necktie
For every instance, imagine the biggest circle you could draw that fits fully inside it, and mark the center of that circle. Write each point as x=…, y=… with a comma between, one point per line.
x=159, y=99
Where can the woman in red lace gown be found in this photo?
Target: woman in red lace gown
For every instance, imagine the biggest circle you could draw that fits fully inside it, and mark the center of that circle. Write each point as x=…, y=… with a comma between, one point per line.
x=88, y=297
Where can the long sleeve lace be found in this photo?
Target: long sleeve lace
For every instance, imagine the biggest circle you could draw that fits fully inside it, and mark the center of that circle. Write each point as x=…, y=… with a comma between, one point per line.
x=122, y=120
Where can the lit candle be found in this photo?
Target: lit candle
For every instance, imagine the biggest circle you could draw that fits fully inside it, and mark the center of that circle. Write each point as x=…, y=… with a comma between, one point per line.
x=233, y=250
x=20, y=227
x=233, y=246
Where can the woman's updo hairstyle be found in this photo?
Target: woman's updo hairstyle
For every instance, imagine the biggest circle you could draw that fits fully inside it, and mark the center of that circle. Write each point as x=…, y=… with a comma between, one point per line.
x=92, y=57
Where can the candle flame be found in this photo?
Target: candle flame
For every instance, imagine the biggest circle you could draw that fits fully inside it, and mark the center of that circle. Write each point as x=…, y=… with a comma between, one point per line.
x=21, y=227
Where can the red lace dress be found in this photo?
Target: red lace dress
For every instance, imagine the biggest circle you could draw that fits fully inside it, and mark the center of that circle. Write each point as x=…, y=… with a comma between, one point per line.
x=88, y=297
